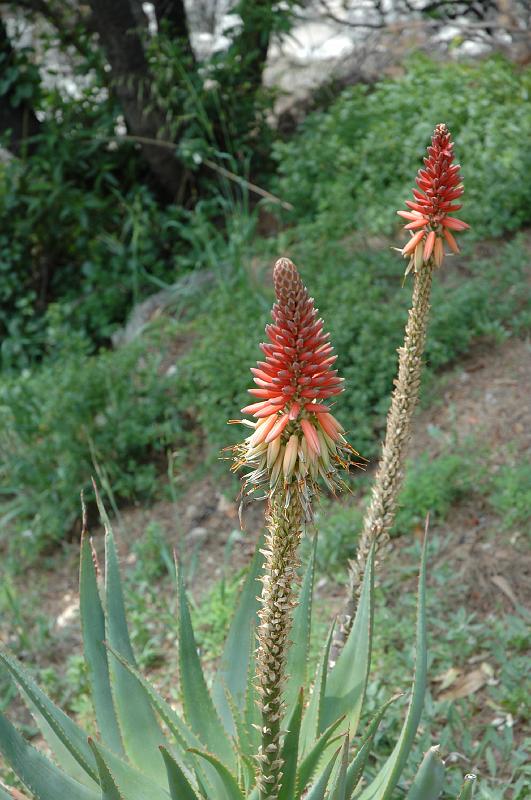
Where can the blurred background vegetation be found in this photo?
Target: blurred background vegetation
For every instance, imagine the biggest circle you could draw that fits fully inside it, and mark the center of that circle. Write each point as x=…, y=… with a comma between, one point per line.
x=149, y=177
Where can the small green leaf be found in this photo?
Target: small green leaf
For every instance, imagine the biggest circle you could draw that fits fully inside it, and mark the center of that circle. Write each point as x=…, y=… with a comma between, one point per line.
x=290, y=751
x=41, y=777
x=198, y=707
x=230, y=785
x=347, y=681
x=429, y=780
x=141, y=734
x=339, y=789
x=298, y=653
x=234, y=663
x=63, y=729
x=383, y=785
x=93, y=629
x=468, y=787
x=180, y=788
x=317, y=792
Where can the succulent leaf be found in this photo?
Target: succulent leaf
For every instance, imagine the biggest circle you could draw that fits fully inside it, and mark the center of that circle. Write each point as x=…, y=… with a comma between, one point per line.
x=38, y=773
x=240, y=643
x=468, y=788
x=339, y=789
x=109, y=789
x=357, y=765
x=231, y=789
x=141, y=733
x=180, y=788
x=131, y=782
x=198, y=707
x=297, y=664
x=383, y=785
x=93, y=629
x=347, y=681
x=311, y=720
x=290, y=752
x=62, y=732
x=429, y=780
x=317, y=792
x=309, y=764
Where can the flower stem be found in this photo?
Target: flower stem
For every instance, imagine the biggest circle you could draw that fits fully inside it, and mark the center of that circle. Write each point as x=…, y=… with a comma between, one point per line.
x=381, y=512
x=285, y=519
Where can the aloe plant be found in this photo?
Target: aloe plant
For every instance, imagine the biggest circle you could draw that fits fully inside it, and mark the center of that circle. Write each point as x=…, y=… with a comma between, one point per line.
x=148, y=750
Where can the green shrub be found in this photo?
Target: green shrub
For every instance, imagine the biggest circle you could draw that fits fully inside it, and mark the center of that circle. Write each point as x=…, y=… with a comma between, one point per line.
x=78, y=415
x=511, y=493
x=351, y=165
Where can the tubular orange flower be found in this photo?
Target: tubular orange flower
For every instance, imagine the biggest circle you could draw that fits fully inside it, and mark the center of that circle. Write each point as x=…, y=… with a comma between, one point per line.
x=439, y=183
x=296, y=438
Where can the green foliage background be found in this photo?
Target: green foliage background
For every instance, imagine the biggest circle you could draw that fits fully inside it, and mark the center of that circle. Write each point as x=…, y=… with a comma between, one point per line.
x=67, y=402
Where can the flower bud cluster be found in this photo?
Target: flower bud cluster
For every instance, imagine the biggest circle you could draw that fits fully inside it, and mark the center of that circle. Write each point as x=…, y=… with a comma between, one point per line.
x=296, y=440
x=439, y=186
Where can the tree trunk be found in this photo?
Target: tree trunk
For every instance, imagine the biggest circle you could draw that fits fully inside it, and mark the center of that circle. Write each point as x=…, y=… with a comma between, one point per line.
x=172, y=19
x=131, y=80
x=16, y=117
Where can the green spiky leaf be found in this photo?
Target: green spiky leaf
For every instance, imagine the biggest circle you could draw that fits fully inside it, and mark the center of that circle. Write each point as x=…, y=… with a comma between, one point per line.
x=180, y=787
x=230, y=785
x=141, y=734
x=234, y=663
x=297, y=663
x=468, y=788
x=198, y=707
x=357, y=765
x=93, y=630
x=318, y=791
x=109, y=789
x=347, y=681
x=42, y=778
x=290, y=751
x=311, y=720
x=130, y=782
x=67, y=740
x=309, y=764
x=429, y=780
x=383, y=785
x=339, y=789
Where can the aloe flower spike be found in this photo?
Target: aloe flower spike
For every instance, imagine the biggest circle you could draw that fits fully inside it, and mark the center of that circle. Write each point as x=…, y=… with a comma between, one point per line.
x=439, y=185
x=295, y=442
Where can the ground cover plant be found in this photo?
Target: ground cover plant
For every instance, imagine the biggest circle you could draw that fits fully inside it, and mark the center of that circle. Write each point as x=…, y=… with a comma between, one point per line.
x=253, y=735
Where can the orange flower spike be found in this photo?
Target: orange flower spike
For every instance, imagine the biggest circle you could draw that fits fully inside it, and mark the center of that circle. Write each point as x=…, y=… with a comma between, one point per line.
x=294, y=428
x=438, y=184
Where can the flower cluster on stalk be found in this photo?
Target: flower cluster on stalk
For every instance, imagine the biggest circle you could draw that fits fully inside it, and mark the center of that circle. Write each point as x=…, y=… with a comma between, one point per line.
x=296, y=439
x=429, y=222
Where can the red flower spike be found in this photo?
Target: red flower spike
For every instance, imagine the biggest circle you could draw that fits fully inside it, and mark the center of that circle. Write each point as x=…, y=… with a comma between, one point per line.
x=296, y=438
x=438, y=184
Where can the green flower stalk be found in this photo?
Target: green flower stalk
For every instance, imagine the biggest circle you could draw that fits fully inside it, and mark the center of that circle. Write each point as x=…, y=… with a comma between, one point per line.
x=295, y=442
x=439, y=185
